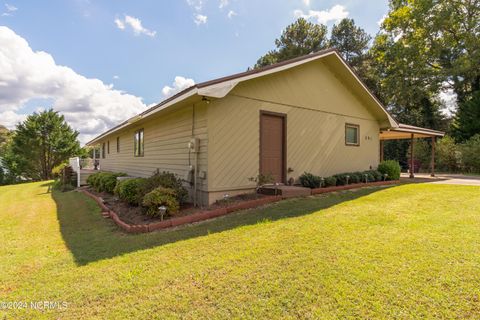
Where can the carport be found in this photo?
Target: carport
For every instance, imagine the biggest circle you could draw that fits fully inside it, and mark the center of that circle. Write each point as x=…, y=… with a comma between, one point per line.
x=403, y=132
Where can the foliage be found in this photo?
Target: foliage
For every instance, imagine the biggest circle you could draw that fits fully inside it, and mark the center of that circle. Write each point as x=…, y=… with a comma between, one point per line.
x=263, y=179
x=351, y=41
x=104, y=181
x=342, y=179
x=161, y=197
x=59, y=185
x=391, y=168
x=5, y=136
x=377, y=175
x=57, y=170
x=309, y=180
x=299, y=38
x=43, y=141
x=447, y=155
x=130, y=190
x=422, y=151
x=467, y=118
x=330, y=182
x=471, y=154
x=167, y=180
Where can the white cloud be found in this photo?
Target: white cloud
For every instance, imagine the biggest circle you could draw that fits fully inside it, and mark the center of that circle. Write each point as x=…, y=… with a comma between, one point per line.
x=178, y=85
x=89, y=105
x=200, y=19
x=135, y=24
x=115, y=77
x=223, y=4
x=196, y=4
x=335, y=13
x=231, y=14
x=10, y=9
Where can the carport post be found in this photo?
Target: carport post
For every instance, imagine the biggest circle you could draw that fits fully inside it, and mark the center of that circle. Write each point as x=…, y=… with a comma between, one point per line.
x=433, y=157
x=412, y=163
x=381, y=150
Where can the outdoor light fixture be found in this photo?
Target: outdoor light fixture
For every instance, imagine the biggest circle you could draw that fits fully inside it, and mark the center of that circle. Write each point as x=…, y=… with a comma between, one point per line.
x=205, y=99
x=162, y=210
x=348, y=178
x=322, y=181
x=385, y=176
x=226, y=196
x=366, y=178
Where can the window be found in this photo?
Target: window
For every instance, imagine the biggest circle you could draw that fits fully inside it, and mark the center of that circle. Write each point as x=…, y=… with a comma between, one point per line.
x=103, y=150
x=108, y=146
x=352, y=134
x=138, y=143
x=118, y=144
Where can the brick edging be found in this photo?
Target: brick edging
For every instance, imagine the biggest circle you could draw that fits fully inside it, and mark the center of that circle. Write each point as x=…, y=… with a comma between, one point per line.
x=210, y=214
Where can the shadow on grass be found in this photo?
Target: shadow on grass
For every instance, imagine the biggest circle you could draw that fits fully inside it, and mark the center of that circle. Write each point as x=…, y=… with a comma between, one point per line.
x=90, y=237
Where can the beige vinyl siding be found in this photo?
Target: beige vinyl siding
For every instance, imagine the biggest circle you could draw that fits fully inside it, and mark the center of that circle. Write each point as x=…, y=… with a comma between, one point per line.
x=165, y=147
x=317, y=105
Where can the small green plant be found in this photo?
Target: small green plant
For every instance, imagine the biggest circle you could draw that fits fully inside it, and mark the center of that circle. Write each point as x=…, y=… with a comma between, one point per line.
x=161, y=197
x=391, y=168
x=129, y=190
x=263, y=179
x=342, y=179
x=309, y=180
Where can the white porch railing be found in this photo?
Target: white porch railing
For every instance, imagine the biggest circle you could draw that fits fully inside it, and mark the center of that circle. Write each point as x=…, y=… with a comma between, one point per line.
x=75, y=164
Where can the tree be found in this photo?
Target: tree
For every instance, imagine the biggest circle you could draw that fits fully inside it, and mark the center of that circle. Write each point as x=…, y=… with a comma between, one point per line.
x=351, y=41
x=467, y=119
x=41, y=142
x=4, y=137
x=431, y=46
x=299, y=38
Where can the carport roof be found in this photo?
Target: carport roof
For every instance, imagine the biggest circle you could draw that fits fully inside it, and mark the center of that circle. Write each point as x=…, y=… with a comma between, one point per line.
x=405, y=131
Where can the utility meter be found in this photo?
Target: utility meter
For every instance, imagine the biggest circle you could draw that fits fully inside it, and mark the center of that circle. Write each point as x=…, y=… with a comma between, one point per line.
x=194, y=145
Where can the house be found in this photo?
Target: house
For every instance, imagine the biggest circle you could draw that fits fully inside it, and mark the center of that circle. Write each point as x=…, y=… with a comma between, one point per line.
x=309, y=114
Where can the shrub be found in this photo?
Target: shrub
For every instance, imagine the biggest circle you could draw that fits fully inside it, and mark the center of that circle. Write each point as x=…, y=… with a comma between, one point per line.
x=355, y=177
x=309, y=180
x=391, y=168
x=104, y=181
x=130, y=190
x=161, y=197
x=447, y=155
x=376, y=175
x=471, y=154
x=63, y=187
x=166, y=180
x=342, y=179
x=330, y=182
x=58, y=170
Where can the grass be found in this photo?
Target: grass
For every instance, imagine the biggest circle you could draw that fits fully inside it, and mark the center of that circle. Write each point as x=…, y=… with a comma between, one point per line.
x=411, y=251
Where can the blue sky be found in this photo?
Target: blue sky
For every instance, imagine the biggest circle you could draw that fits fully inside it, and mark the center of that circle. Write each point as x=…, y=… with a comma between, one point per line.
x=141, y=46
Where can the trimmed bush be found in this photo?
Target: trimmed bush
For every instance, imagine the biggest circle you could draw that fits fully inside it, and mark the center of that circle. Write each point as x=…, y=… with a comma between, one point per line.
x=391, y=168
x=104, y=181
x=376, y=175
x=130, y=190
x=161, y=197
x=341, y=179
x=166, y=180
x=309, y=180
x=330, y=182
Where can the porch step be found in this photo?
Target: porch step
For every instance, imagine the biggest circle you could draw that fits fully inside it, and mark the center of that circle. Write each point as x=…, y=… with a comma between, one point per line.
x=285, y=191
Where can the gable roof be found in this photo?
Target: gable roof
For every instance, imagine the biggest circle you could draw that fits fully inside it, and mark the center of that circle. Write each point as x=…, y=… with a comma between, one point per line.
x=220, y=87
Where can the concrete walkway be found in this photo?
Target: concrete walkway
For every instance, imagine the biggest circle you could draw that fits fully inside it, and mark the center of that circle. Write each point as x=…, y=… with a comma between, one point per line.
x=440, y=178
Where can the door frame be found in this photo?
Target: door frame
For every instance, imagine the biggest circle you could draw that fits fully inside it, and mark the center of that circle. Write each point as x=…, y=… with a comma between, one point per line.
x=284, y=141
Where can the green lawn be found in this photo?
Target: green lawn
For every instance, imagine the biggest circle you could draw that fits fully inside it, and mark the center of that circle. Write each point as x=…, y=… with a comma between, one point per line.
x=411, y=251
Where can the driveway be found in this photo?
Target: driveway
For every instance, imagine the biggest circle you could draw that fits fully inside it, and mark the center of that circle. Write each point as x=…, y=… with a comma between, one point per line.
x=440, y=178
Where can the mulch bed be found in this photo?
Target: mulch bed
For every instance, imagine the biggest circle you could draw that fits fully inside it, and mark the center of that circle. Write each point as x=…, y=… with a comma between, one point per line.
x=134, y=215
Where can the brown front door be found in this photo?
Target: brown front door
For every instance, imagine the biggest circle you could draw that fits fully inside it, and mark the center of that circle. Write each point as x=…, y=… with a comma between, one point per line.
x=272, y=145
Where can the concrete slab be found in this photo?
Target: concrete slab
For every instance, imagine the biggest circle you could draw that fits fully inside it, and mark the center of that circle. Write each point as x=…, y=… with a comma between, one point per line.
x=444, y=178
